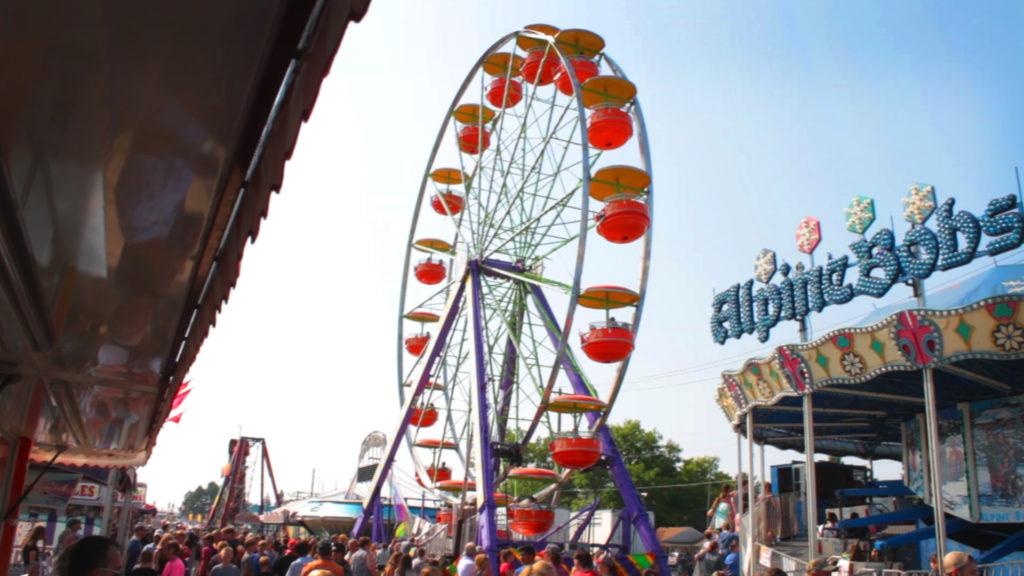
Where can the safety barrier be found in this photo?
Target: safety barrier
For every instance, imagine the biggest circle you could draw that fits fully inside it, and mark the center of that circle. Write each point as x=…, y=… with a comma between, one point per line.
x=1015, y=568
x=776, y=559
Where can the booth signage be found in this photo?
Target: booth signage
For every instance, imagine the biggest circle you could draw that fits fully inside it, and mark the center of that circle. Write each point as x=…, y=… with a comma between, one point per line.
x=138, y=497
x=88, y=491
x=880, y=264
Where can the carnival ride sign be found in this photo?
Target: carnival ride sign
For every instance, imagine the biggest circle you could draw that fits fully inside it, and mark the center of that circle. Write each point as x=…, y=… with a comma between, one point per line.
x=952, y=241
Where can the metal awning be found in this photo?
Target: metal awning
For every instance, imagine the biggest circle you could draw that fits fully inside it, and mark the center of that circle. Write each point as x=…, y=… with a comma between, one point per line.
x=139, y=145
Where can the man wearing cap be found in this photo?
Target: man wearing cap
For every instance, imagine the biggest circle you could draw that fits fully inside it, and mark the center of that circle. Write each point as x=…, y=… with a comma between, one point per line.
x=134, y=548
x=958, y=563
x=732, y=558
x=324, y=553
x=467, y=565
x=280, y=567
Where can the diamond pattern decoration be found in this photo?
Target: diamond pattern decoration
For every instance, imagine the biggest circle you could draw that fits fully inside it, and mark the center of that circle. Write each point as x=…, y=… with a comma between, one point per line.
x=860, y=214
x=822, y=360
x=808, y=235
x=764, y=266
x=919, y=204
x=878, y=347
x=1002, y=311
x=964, y=330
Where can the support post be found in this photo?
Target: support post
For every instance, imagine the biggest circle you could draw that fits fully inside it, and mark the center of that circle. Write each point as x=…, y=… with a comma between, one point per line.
x=377, y=532
x=739, y=478
x=396, y=439
x=108, y=503
x=124, y=529
x=487, y=526
x=633, y=510
x=270, y=474
x=810, y=479
x=748, y=560
x=931, y=416
x=14, y=491
x=764, y=471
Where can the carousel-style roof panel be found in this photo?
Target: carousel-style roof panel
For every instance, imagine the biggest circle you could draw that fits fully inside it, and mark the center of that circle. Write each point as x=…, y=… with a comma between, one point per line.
x=138, y=149
x=866, y=380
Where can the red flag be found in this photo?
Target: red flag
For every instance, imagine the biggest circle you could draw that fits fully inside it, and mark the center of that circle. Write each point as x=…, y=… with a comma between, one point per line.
x=179, y=399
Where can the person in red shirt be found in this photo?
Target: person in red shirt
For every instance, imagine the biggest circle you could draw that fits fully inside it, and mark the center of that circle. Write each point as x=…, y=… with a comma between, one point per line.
x=206, y=554
x=508, y=563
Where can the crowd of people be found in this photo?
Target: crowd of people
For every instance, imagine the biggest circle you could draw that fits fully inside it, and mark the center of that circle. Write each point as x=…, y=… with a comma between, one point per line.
x=231, y=552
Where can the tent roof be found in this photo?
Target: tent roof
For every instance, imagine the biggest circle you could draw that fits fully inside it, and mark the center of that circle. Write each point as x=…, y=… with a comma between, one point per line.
x=679, y=535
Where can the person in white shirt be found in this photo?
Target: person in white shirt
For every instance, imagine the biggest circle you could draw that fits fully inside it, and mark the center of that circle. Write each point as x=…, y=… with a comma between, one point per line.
x=467, y=565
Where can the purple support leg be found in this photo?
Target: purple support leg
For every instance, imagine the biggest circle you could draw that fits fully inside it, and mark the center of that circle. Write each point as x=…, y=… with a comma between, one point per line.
x=487, y=528
x=587, y=511
x=377, y=534
x=583, y=525
x=634, y=511
x=508, y=372
x=395, y=440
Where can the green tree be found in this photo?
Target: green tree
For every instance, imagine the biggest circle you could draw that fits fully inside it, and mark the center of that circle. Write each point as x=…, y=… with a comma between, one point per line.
x=198, y=501
x=674, y=488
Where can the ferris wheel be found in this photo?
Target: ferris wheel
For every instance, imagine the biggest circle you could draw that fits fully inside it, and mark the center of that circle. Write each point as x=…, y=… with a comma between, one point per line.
x=533, y=216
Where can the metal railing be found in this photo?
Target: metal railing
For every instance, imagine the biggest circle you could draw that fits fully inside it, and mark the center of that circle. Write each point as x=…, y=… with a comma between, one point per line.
x=784, y=562
x=1015, y=568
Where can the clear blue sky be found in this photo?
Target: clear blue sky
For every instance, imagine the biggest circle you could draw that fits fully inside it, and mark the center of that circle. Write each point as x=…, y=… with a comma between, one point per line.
x=759, y=114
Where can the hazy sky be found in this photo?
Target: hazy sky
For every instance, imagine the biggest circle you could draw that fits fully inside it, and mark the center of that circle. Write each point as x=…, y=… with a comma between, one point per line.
x=758, y=114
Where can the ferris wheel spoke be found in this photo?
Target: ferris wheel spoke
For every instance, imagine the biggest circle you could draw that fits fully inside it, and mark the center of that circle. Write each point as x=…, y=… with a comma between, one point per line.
x=529, y=223
x=539, y=151
x=556, y=172
x=544, y=392
x=433, y=296
x=534, y=240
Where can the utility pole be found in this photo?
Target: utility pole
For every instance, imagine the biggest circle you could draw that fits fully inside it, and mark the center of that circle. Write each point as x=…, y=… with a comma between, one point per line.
x=312, y=479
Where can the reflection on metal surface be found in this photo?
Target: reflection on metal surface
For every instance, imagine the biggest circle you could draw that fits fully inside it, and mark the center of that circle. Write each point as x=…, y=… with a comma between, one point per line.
x=124, y=134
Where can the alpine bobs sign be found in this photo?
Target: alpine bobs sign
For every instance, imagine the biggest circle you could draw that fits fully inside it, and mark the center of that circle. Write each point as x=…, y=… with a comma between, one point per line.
x=954, y=239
